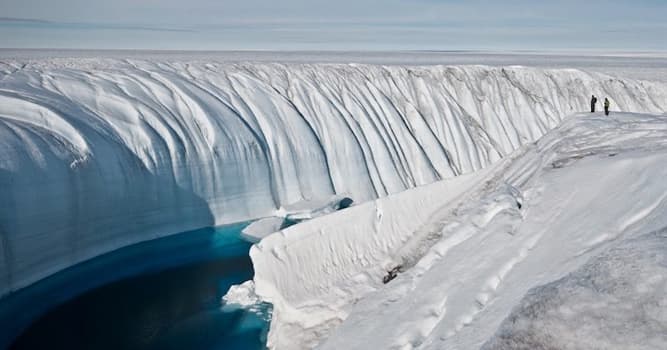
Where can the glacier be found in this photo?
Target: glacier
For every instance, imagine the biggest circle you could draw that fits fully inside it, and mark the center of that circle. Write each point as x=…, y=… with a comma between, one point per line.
x=96, y=154
x=559, y=245
x=625, y=286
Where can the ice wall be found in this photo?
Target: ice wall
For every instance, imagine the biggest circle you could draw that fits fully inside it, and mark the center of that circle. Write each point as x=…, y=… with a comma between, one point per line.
x=97, y=154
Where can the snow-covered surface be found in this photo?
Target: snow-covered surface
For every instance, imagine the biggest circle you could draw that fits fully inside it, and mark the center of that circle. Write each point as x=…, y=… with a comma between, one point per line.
x=98, y=153
x=468, y=250
x=647, y=65
x=311, y=271
x=615, y=301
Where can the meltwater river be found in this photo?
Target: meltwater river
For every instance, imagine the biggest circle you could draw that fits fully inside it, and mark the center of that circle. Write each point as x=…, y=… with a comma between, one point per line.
x=160, y=294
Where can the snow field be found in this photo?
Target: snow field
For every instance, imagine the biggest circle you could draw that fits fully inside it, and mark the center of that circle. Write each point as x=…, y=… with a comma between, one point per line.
x=617, y=300
x=468, y=258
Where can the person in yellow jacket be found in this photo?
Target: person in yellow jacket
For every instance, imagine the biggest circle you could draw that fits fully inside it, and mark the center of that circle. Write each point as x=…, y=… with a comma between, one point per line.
x=606, y=106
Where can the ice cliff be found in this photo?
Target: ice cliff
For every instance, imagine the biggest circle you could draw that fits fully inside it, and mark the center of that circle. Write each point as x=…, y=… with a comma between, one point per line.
x=100, y=153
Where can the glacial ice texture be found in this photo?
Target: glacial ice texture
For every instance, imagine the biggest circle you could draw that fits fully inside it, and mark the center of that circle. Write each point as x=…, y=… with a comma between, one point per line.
x=96, y=154
x=615, y=301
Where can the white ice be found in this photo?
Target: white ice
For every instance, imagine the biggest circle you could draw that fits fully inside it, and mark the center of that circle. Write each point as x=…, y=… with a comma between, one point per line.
x=261, y=228
x=617, y=300
x=241, y=296
x=294, y=213
x=309, y=209
x=468, y=249
x=99, y=153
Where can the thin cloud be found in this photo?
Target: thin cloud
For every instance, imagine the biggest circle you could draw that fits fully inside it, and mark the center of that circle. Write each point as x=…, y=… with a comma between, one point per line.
x=23, y=20
x=40, y=23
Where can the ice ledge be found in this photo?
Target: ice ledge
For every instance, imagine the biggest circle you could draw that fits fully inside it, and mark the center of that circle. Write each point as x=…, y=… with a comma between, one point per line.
x=295, y=213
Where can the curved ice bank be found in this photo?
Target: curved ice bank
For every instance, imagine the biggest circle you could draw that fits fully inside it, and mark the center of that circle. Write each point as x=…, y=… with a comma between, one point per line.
x=97, y=154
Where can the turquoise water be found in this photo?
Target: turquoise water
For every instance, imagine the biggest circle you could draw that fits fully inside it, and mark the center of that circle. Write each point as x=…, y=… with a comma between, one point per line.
x=161, y=294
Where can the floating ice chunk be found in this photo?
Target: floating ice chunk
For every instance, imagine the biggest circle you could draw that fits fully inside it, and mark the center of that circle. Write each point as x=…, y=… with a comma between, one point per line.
x=241, y=295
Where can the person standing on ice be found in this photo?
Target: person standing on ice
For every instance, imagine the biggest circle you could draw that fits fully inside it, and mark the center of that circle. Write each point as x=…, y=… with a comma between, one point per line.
x=594, y=101
x=606, y=106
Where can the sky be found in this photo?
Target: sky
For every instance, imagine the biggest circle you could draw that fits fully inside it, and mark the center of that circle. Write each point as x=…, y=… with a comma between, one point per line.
x=615, y=25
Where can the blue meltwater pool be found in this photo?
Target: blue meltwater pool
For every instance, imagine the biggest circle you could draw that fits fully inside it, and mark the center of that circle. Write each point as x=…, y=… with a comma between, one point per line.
x=161, y=294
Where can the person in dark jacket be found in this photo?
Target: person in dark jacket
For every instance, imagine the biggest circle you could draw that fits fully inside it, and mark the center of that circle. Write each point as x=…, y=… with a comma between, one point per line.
x=606, y=106
x=594, y=101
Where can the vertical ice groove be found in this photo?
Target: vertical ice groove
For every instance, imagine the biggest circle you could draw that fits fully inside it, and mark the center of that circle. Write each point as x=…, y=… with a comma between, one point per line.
x=94, y=159
x=311, y=129
x=359, y=144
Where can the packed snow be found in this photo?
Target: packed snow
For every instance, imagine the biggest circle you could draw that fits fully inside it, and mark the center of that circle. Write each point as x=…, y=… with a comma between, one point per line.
x=584, y=206
x=96, y=154
x=615, y=301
